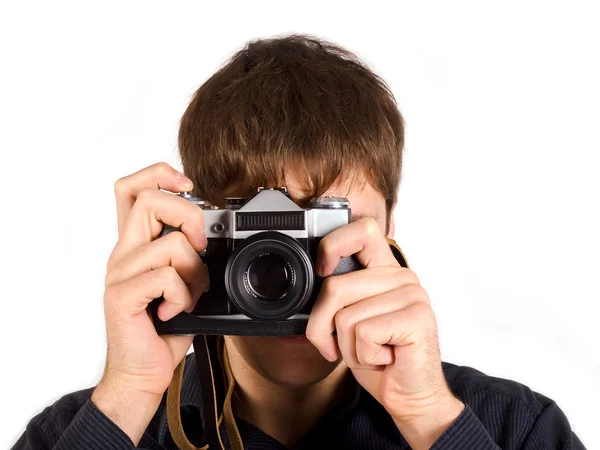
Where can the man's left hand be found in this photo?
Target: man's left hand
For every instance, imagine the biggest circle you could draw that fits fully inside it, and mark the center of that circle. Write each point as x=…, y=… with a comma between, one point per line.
x=386, y=332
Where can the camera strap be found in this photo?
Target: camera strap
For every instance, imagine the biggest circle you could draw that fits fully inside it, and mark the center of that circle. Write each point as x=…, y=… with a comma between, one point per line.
x=217, y=385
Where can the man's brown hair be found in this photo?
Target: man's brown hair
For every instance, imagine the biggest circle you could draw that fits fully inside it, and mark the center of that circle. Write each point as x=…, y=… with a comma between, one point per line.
x=289, y=103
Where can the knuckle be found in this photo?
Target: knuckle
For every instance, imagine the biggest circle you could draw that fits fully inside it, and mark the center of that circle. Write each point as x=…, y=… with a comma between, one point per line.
x=415, y=290
x=315, y=333
x=109, y=294
x=363, y=356
x=163, y=167
x=146, y=195
x=111, y=262
x=411, y=276
x=361, y=359
x=194, y=214
x=198, y=214
x=371, y=227
x=313, y=336
x=330, y=287
x=108, y=279
x=168, y=274
x=325, y=245
x=425, y=297
x=361, y=332
x=178, y=241
x=423, y=311
x=351, y=364
x=113, y=294
x=343, y=320
x=120, y=186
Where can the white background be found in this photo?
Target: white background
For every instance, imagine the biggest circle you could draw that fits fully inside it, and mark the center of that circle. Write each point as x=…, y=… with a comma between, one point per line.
x=498, y=210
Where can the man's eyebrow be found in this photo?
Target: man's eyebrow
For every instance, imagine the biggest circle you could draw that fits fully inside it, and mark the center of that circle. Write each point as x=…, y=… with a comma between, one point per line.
x=356, y=216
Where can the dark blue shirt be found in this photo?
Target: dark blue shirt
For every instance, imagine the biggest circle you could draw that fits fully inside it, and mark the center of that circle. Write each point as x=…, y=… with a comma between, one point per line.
x=499, y=414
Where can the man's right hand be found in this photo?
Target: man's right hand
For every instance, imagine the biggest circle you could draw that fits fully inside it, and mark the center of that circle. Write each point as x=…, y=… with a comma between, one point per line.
x=139, y=362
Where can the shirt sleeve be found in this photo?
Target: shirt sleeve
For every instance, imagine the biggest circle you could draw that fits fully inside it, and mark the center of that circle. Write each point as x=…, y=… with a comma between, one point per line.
x=465, y=432
x=550, y=431
x=89, y=428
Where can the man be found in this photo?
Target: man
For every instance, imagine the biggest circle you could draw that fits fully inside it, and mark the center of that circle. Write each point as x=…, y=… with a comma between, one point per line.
x=308, y=115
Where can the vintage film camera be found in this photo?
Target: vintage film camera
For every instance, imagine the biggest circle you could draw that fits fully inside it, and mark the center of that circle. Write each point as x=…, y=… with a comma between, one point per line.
x=260, y=258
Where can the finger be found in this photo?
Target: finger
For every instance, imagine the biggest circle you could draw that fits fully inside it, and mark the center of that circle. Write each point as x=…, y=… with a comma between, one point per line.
x=341, y=291
x=362, y=238
x=150, y=212
x=131, y=297
x=157, y=176
x=346, y=321
x=397, y=332
x=171, y=250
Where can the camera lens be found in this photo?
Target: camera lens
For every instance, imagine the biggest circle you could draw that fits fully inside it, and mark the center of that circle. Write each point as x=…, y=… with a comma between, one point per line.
x=269, y=276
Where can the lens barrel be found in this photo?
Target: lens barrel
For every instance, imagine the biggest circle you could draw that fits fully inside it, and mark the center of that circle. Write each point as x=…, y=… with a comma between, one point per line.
x=269, y=276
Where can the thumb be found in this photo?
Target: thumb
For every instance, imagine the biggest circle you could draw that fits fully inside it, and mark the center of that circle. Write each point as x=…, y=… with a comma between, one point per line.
x=179, y=345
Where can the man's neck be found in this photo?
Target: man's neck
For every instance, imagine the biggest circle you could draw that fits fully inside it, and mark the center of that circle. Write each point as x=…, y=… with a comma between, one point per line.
x=284, y=413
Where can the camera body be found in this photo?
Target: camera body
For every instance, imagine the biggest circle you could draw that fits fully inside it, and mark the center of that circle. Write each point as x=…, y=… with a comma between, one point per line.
x=260, y=258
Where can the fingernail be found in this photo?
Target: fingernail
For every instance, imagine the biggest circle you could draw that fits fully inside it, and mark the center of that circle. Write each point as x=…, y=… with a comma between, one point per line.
x=320, y=269
x=331, y=357
x=185, y=181
x=327, y=356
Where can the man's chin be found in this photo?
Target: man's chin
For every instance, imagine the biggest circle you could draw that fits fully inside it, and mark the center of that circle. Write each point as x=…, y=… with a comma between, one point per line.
x=288, y=362
x=297, y=373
